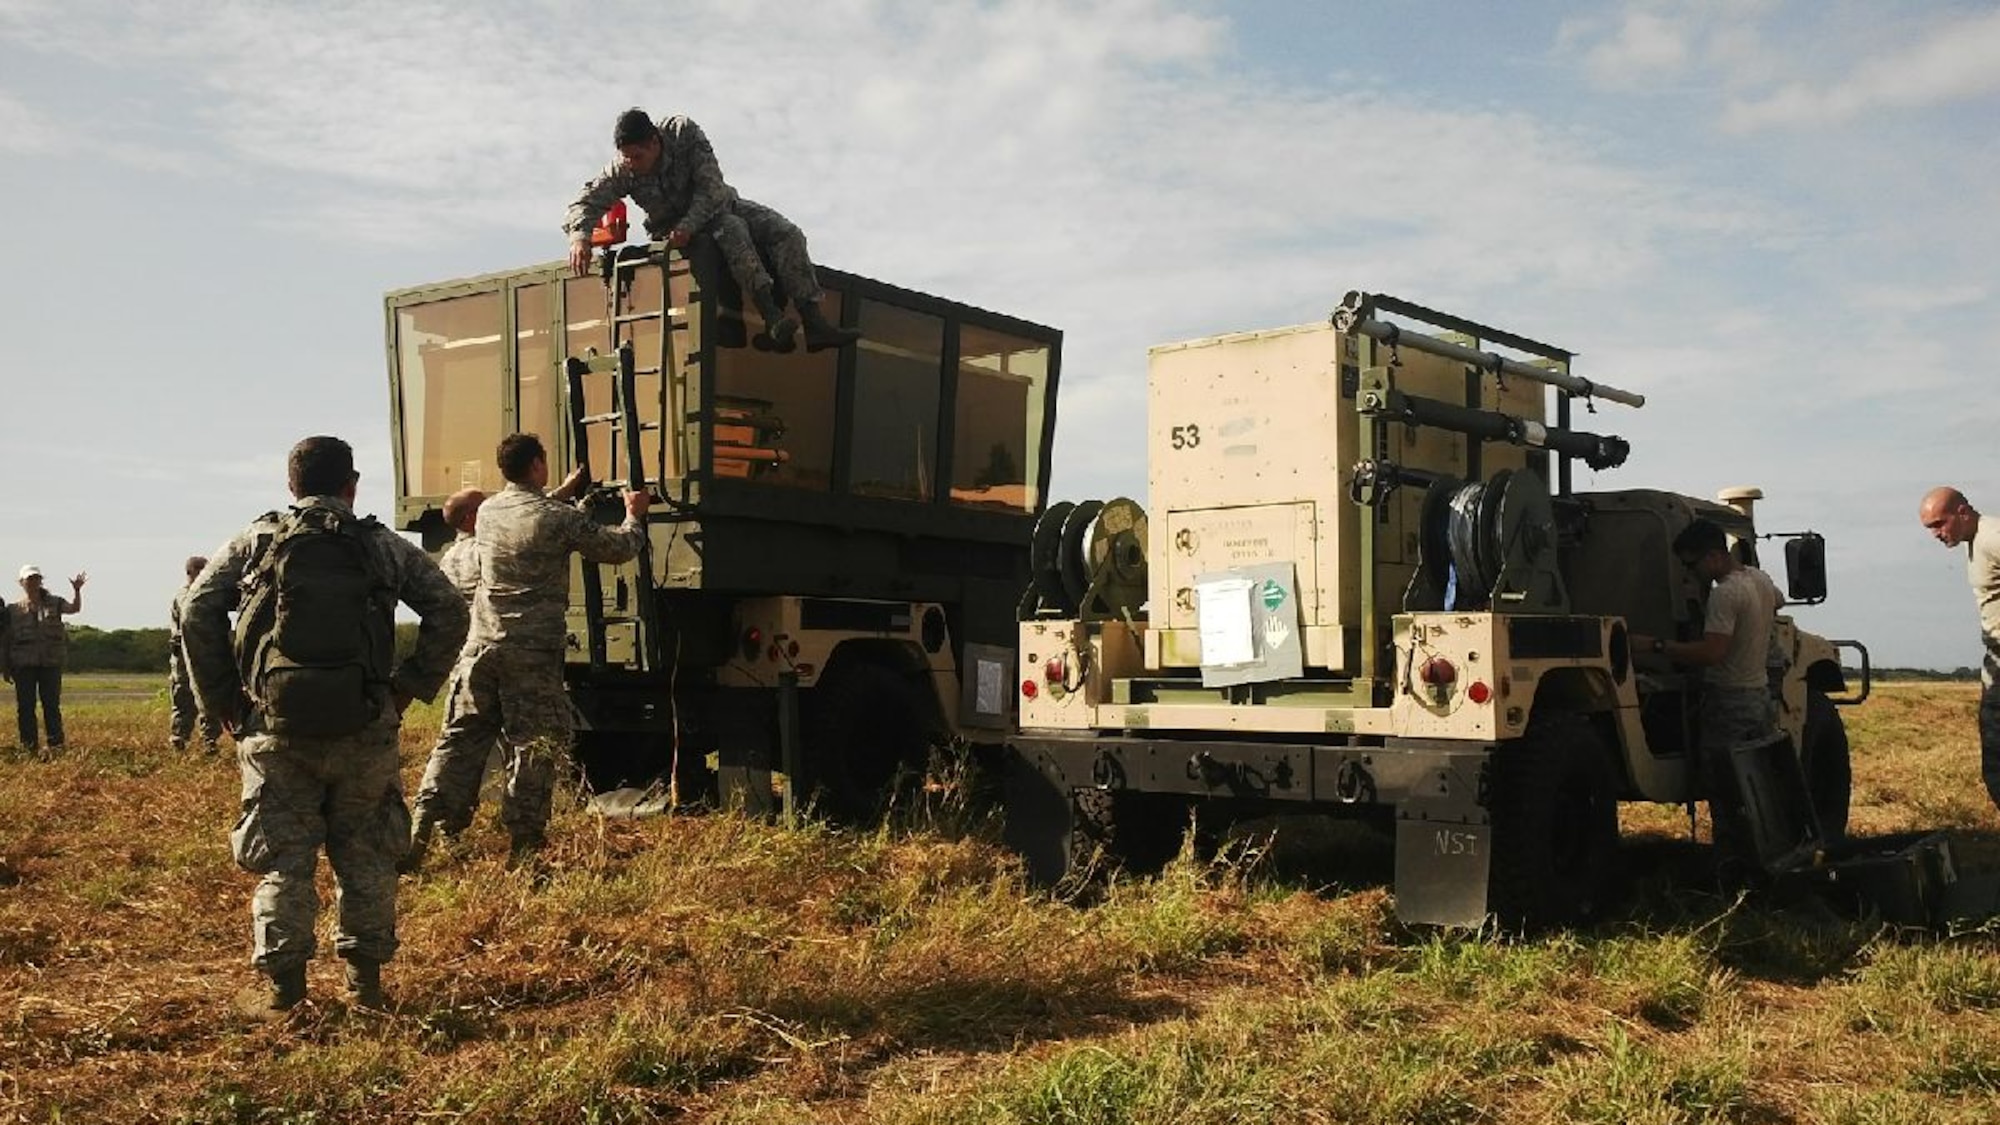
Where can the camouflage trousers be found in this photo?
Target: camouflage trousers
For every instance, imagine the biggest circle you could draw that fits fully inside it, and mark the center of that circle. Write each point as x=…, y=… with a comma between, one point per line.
x=1736, y=719
x=514, y=696
x=302, y=794
x=754, y=236
x=187, y=713
x=1989, y=739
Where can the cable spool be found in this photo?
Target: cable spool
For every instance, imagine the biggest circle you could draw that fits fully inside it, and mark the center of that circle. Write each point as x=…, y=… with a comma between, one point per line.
x=1500, y=538
x=1473, y=513
x=1046, y=595
x=1117, y=562
x=1071, y=562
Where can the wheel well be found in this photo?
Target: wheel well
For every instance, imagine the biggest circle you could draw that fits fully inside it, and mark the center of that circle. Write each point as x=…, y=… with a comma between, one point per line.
x=1826, y=676
x=1589, y=694
x=904, y=658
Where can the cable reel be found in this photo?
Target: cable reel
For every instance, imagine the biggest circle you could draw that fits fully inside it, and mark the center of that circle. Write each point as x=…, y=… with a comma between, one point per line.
x=1087, y=560
x=1488, y=545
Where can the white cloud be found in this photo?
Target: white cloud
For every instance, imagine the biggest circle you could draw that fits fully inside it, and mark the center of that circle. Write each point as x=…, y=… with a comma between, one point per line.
x=1956, y=61
x=1645, y=46
x=23, y=131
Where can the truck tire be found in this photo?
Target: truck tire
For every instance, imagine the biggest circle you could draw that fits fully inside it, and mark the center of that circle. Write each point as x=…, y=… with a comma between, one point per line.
x=1829, y=772
x=1555, y=827
x=1120, y=831
x=867, y=734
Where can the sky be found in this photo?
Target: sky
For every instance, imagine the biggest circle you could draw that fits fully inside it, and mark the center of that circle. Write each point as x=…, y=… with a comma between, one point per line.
x=1775, y=218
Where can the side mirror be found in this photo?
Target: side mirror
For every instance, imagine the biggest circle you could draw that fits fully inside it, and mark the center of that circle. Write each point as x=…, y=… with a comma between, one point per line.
x=1805, y=568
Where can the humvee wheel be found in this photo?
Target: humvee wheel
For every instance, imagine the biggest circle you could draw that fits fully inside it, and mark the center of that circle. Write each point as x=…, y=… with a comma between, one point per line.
x=867, y=732
x=1135, y=832
x=1829, y=774
x=1555, y=827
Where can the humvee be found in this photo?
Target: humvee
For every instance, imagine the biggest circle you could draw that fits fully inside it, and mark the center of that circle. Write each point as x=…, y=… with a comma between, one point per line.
x=838, y=539
x=1364, y=584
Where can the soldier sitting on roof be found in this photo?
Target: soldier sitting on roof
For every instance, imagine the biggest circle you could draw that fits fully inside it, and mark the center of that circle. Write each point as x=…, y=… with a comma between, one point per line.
x=670, y=170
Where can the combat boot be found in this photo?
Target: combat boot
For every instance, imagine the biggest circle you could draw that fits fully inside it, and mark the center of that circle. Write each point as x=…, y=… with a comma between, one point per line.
x=822, y=333
x=778, y=327
x=420, y=845
x=287, y=987
x=524, y=847
x=364, y=984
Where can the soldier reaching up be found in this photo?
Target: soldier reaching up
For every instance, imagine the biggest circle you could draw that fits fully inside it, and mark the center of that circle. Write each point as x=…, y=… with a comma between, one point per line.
x=509, y=679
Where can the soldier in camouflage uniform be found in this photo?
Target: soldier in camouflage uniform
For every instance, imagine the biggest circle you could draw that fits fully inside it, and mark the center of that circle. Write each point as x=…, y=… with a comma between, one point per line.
x=460, y=561
x=302, y=793
x=509, y=679
x=187, y=712
x=36, y=644
x=670, y=169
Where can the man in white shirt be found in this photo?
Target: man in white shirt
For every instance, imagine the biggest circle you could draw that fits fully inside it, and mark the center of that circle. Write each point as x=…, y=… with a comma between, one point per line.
x=1953, y=521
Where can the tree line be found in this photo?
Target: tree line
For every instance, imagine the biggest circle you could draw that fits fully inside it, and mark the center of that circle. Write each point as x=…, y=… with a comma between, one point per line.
x=145, y=650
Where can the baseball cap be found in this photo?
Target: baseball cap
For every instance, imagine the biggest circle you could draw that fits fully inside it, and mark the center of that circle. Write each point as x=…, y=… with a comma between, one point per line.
x=30, y=571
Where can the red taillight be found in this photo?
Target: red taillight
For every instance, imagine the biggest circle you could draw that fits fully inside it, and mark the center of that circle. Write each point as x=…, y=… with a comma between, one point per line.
x=1438, y=672
x=1030, y=689
x=1479, y=692
x=753, y=640
x=1056, y=671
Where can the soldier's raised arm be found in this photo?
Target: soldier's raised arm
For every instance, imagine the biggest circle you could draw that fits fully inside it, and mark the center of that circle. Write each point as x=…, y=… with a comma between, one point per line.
x=441, y=630
x=600, y=544
x=598, y=194
x=211, y=658
x=708, y=192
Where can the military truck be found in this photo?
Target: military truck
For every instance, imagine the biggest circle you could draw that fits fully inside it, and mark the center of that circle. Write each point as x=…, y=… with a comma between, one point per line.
x=838, y=538
x=1365, y=584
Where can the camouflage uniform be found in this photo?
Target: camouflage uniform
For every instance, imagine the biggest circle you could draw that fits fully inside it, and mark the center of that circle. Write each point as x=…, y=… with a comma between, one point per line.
x=456, y=767
x=685, y=191
x=509, y=680
x=36, y=642
x=460, y=563
x=187, y=712
x=299, y=793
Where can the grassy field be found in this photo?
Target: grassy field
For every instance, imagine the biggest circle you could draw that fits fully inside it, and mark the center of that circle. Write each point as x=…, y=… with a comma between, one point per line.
x=715, y=969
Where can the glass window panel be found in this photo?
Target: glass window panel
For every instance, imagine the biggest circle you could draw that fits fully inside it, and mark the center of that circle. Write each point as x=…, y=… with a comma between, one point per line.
x=997, y=434
x=449, y=368
x=774, y=414
x=897, y=368
x=536, y=366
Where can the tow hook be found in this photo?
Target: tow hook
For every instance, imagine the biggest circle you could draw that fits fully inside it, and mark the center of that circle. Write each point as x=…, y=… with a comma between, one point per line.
x=1203, y=767
x=1352, y=783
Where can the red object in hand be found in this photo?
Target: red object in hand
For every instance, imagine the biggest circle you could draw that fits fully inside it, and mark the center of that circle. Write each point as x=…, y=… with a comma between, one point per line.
x=610, y=227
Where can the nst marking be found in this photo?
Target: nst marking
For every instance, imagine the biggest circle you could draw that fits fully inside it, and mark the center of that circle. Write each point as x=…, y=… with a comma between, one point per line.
x=1448, y=842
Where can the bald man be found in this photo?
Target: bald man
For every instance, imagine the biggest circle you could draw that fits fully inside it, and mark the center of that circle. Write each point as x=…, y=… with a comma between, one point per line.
x=1953, y=521
x=460, y=561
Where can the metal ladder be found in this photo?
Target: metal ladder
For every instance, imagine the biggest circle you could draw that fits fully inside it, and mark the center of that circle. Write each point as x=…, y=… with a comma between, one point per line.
x=628, y=434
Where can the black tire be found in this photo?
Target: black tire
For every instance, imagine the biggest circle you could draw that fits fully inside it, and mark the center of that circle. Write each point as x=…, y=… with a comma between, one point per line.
x=1555, y=827
x=867, y=736
x=1119, y=831
x=1828, y=768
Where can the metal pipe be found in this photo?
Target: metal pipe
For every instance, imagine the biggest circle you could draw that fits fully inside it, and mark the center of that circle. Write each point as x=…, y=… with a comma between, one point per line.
x=1599, y=451
x=1356, y=314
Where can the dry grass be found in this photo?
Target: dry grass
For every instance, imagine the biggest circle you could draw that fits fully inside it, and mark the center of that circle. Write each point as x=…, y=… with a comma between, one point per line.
x=716, y=969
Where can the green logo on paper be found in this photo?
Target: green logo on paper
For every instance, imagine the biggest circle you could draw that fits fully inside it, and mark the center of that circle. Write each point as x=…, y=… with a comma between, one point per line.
x=1274, y=594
